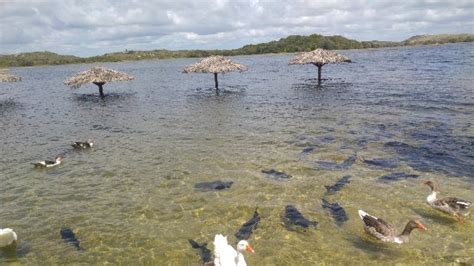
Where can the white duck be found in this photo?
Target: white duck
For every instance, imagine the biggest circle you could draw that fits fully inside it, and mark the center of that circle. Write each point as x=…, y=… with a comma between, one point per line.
x=7, y=237
x=226, y=255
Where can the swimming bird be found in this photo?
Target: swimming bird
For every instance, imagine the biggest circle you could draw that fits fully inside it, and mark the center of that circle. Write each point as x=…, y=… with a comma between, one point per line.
x=7, y=237
x=44, y=164
x=83, y=145
x=385, y=232
x=226, y=255
x=295, y=221
x=247, y=228
x=451, y=205
x=69, y=237
x=206, y=254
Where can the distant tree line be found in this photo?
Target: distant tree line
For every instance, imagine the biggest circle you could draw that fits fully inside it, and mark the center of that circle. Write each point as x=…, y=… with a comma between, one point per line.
x=290, y=44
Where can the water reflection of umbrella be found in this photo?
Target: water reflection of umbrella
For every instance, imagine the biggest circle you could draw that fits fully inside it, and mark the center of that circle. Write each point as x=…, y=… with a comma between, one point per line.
x=319, y=57
x=215, y=65
x=99, y=76
x=5, y=77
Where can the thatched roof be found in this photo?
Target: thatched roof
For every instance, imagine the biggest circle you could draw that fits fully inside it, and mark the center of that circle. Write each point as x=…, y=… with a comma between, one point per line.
x=5, y=77
x=319, y=57
x=214, y=64
x=97, y=75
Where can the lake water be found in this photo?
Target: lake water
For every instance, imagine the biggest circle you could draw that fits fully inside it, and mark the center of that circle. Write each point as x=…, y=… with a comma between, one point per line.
x=131, y=200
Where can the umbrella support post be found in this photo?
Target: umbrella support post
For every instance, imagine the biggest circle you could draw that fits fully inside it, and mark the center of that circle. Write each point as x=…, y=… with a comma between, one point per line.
x=215, y=80
x=101, y=90
x=319, y=74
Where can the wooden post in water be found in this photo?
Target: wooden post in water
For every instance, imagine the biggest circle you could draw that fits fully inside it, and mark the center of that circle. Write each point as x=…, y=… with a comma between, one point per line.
x=215, y=80
x=319, y=73
x=101, y=90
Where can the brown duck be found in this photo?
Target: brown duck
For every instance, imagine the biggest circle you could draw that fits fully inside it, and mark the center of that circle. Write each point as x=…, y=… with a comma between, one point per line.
x=381, y=230
x=451, y=205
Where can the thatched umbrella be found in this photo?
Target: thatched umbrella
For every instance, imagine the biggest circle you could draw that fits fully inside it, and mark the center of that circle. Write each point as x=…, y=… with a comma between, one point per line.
x=97, y=75
x=319, y=57
x=214, y=64
x=5, y=77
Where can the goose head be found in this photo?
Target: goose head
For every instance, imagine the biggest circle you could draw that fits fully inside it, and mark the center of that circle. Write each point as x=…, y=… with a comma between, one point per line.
x=59, y=158
x=244, y=246
x=430, y=184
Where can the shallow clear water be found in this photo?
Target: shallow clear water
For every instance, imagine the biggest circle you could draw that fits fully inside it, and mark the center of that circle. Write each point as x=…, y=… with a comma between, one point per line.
x=131, y=199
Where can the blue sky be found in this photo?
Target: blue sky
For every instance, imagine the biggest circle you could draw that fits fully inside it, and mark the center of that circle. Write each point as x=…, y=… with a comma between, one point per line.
x=86, y=28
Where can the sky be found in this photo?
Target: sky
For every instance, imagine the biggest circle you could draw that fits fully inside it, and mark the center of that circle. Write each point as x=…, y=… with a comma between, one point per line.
x=95, y=27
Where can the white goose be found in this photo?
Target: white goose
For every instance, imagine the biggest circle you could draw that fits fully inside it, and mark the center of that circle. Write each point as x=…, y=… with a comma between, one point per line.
x=7, y=237
x=226, y=255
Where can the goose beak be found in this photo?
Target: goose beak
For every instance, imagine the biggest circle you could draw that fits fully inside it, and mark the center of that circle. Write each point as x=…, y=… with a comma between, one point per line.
x=421, y=226
x=248, y=248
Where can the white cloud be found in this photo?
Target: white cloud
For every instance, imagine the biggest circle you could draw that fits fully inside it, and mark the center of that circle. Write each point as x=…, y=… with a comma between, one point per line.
x=94, y=27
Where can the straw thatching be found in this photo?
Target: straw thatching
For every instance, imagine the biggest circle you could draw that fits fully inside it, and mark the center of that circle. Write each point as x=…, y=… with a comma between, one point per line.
x=319, y=57
x=97, y=75
x=214, y=64
x=5, y=77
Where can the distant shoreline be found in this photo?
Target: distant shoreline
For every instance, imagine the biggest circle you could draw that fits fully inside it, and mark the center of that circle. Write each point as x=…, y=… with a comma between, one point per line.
x=288, y=45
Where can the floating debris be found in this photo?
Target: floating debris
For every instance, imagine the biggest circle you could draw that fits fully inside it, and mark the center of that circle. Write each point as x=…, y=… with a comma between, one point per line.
x=335, y=166
x=277, y=174
x=214, y=185
x=205, y=253
x=70, y=238
x=338, y=186
x=397, y=176
x=247, y=228
x=293, y=219
x=383, y=162
x=337, y=212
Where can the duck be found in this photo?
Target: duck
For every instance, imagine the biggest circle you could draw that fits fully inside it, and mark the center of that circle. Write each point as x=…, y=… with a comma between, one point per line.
x=385, y=232
x=450, y=205
x=83, y=145
x=226, y=255
x=47, y=164
x=7, y=237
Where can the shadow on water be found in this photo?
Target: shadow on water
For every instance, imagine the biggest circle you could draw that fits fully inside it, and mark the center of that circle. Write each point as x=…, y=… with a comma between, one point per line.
x=377, y=248
x=382, y=162
x=222, y=92
x=437, y=150
x=328, y=165
x=310, y=142
x=109, y=98
x=13, y=252
x=440, y=218
x=397, y=176
x=8, y=105
x=331, y=85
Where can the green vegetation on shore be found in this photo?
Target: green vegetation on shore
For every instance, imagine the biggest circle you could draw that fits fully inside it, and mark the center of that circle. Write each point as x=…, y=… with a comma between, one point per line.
x=290, y=44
